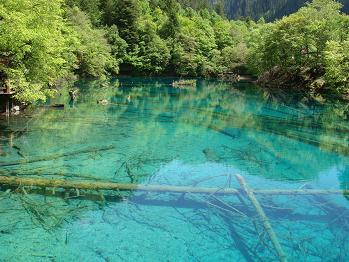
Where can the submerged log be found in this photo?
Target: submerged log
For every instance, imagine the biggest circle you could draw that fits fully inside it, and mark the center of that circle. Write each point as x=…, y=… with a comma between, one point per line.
x=263, y=217
x=57, y=106
x=97, y=185
x=103, y=185
x=55, y=156
x=301, y=192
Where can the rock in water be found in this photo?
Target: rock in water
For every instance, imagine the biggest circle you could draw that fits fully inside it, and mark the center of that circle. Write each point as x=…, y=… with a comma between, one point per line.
x=103, y=102
x=211, y=155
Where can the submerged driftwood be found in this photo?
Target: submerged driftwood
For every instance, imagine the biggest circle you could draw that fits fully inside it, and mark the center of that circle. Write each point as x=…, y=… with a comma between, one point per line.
x=263, y=217
x=99, y=185
x=184, y=83
x=55, y=156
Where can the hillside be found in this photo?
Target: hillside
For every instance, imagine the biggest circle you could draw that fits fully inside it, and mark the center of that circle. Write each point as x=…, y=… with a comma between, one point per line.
x=269, y=9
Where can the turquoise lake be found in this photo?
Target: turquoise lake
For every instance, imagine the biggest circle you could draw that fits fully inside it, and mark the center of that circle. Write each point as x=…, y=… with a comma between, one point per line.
x=150, y=133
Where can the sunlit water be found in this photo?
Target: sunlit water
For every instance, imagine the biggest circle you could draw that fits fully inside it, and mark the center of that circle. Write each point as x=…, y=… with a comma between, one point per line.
x=151, y=133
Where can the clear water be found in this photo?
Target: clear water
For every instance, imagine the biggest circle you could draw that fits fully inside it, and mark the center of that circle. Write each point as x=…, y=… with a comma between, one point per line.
x=199, y=137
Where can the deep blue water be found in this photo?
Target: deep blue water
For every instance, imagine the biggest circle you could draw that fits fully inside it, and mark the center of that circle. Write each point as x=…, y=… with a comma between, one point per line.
x=158, y=135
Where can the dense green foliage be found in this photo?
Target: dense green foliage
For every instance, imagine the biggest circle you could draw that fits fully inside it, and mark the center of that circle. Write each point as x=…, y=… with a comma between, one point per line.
x=34, y=49
x=92, y=49
x=43, y=42
x=310, y=46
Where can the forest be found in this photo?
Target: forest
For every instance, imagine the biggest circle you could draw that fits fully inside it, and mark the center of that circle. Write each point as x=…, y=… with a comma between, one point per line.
x=44, y=45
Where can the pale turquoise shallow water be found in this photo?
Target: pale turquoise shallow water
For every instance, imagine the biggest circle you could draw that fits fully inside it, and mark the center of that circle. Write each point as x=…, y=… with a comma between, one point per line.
x=194, y=137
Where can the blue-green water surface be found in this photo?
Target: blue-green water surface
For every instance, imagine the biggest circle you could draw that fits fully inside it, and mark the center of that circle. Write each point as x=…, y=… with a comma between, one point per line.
x=147, y=132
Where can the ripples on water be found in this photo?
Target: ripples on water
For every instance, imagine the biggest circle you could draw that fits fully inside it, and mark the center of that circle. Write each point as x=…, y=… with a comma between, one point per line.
x=197, y=137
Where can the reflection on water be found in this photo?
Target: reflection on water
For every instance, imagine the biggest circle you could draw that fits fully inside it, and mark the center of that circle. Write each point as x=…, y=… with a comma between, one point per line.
x=148, y=132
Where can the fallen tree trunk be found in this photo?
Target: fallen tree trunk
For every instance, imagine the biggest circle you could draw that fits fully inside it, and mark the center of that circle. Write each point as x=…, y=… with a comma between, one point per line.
x=99, y=185
x=301, y=192
x=55, y=156
x=265, y=221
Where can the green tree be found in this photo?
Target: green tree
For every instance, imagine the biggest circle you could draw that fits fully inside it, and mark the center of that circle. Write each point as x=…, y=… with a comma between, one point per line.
x=171, y=27
x=152, y=54
x=117, y=44
x=304, y=44
x=336, y=62
x=91, y=7
x=219, y=8
x=34, y=47
x=124, y=14
x=92, y=49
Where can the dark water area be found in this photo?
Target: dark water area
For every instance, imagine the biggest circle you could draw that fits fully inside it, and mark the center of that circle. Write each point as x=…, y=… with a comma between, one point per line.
x=150, y=133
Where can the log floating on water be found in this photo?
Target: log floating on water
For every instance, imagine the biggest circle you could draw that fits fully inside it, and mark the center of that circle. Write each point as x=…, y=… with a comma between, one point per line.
x=99, y=185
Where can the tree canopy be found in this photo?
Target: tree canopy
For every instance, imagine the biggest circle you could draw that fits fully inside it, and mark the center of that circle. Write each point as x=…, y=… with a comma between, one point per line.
x=310, y=44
